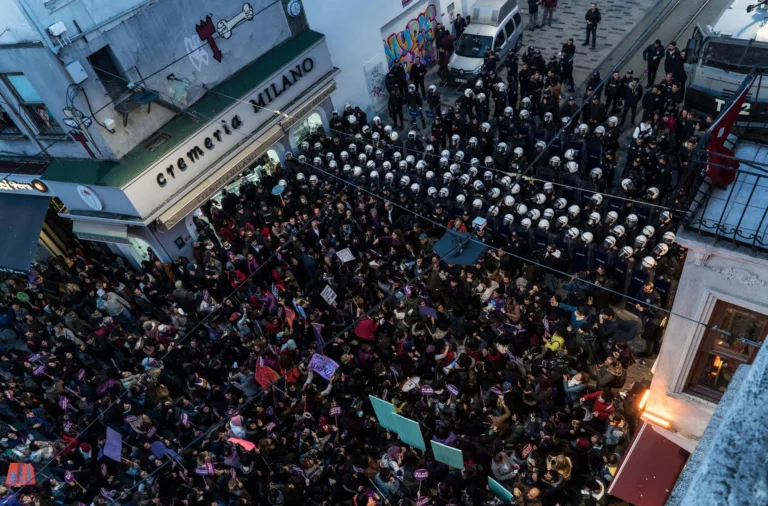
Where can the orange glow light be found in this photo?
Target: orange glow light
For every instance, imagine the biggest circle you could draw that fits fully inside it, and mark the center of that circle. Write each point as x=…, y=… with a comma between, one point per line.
x=644, y=399
x=656, y=420
x=717, y=362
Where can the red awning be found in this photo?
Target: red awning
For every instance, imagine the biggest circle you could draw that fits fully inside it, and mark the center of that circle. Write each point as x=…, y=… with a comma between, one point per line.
x=649, y=470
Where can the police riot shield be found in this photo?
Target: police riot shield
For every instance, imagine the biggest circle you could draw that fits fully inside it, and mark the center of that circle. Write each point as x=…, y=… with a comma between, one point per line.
x=604, y=258
x=580, y=258
x=663, y=285
x=541, y=239
x=638, y=278
x=614, y=204
x=645, y=214
x=621, y=268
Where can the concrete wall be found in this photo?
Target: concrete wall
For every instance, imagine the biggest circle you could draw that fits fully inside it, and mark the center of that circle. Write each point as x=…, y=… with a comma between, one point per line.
x=711, y=273
x=355, y=36
x=15, y=27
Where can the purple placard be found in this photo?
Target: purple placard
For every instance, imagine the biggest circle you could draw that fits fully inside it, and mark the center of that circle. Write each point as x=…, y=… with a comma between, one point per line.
x=69, y=476
x=271, y=426
x=113, y=448
x=185, y=419
x=428, y=311
x=68, y=427
x=421, y=474
x=452, y=389
x=514, y=358
x=408, y=290
x=233, y=473
x=63, y=402
x=495, y=390
x=335, y=411
x=39, y=370
x=152, y=431
x=202, y=471
x=81, y=375
x=323, y=366
x=130, y=419
x=103, y=468
x=35, y=357
x=9, y=395
x=270, y=411
x=209, y=467
x=427, y=390
x=422, y=501
x=394, y=371
x=105, y=493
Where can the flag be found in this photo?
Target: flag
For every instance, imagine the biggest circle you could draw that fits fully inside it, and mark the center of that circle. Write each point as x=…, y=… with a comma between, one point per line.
x=113, y=448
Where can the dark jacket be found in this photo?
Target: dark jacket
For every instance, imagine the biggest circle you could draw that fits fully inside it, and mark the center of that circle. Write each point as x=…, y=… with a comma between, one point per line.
x=593, y=17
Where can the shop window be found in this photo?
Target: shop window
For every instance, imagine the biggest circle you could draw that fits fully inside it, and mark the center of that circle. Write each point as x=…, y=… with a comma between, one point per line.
x=312, y=124
x=719, y=354
x=7, y=125
x=32, y=105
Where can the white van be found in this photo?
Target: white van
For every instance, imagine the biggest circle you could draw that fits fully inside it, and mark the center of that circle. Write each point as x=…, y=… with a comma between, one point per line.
x=497, y=24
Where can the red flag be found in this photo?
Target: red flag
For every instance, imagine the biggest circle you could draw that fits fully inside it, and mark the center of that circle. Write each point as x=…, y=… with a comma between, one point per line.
x=719, y=131
x=265, y=376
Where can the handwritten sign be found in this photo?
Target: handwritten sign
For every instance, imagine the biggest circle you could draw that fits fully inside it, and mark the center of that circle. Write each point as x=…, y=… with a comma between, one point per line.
x=39, y=370
x=427, y=390
x=323, y=366
x=328, y=295
x=421, y=474
x=335, y=410
x=452, y=389
x=345, y=255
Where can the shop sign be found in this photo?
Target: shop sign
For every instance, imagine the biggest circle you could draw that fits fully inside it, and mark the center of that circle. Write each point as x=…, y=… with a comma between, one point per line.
x=176, y=170
x=10, y=185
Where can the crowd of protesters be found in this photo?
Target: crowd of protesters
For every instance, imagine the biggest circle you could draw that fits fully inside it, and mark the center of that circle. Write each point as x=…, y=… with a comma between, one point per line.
x=530, y=334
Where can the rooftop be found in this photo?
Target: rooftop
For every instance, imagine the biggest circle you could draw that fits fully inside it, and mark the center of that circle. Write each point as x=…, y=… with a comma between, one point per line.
x=118, y=173
x=738, y=24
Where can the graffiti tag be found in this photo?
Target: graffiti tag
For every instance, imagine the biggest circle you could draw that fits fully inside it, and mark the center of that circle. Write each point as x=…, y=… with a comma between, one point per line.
x=416, y=40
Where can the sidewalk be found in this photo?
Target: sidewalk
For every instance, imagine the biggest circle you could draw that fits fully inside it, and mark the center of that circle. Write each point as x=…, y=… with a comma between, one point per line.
x=620, y=17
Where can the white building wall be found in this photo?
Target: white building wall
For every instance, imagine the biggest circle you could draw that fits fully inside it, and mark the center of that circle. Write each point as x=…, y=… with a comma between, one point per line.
x=15, y=28
x=711, y=273
x=356, y=31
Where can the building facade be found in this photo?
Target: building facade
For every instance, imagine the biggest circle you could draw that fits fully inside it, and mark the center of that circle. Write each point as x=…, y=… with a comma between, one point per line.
x=143, y=110
x=366, y=38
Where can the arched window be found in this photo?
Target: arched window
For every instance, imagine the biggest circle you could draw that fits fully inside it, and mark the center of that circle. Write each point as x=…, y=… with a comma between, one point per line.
x=311, y=124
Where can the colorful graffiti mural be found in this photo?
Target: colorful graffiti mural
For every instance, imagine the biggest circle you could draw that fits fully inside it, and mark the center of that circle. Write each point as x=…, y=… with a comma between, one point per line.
x=416, y=40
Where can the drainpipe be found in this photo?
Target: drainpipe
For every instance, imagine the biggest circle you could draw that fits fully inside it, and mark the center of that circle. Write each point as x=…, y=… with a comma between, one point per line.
x=30, y=15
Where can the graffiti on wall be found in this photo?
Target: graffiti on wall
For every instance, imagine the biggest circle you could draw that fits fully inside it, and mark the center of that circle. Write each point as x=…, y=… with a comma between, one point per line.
x=79, y=124
x=375, y=73
x=416, y=40
x=206, y=30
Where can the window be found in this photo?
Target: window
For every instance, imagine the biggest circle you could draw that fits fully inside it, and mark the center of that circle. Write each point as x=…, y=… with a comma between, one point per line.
x=500, y=38
x=518, y=19
x=7, y=125
x=473, y=46
x=720, y=355
x=312, y=124
x=510, y=28
x=32, y=105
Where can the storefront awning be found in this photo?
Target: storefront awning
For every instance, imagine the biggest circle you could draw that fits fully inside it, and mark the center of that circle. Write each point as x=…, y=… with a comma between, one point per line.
x=22, y=219
x=100, y=232
x=650, y=468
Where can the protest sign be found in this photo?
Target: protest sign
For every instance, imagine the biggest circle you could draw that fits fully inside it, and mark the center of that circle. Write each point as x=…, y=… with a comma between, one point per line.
x=427, y=390
x=209, y=467
x=63, y=402
x=448, y=455
x=345, y=255
x=323, y=366
x=409, y=432
x=318, y=331
x=335, y=410
x=385, y=412
x=151, y=432
x=275, y=292
x=271, y=426
x=202, y=471
x=20, y=475
x=452, y=389
x=185, y=419
x=160, y=450
x=69, y=477
x=103, y=468
x=39, y=370
x=422, y=501
x=81, y=375
x=421, y=474
x=328, y=295
x=242, y=442
x=130, y=419
x=106, y=493
x=265, y=376
x=113, y=448
x=499, y=490
x=428, y=312
x=35, y=357
x=515, y=359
